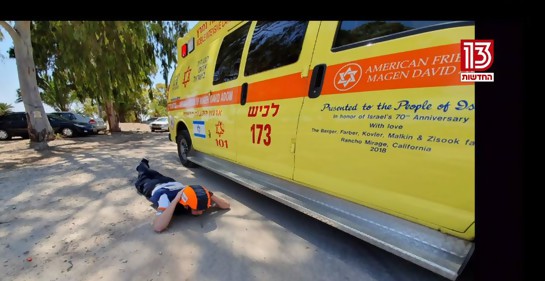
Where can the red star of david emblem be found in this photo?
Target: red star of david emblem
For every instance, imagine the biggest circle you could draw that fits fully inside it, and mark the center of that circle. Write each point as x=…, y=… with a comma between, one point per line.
x=219, y=128
x=187, y=76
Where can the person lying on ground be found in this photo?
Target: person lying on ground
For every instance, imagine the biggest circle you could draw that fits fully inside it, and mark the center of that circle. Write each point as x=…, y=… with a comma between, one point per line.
x=170, y=197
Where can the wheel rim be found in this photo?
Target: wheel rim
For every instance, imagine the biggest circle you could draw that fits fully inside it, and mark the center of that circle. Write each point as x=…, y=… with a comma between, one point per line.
x=3, y=135
x=67, y=132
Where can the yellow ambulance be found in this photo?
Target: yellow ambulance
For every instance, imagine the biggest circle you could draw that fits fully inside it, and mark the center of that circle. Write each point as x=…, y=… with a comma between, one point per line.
x=364, y=125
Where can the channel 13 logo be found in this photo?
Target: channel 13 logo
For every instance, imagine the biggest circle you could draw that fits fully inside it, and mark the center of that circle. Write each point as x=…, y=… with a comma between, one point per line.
x=476, y=55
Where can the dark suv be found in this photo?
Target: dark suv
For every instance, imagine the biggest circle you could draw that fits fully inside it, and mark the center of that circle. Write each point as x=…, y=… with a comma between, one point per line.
x=13, y=125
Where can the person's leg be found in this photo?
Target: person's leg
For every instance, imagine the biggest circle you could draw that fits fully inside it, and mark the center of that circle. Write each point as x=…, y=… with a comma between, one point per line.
x=147, y=178
x=144, y=169
x=142, y=166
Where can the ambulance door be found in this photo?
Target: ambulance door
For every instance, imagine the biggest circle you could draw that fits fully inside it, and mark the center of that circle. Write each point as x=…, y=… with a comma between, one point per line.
x=387, y=122
x=275, y=82
x=219, y=104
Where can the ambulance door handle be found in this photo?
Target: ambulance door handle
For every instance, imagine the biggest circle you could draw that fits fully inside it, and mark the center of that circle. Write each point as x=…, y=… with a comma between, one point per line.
x=243, y=94
x=317, y=81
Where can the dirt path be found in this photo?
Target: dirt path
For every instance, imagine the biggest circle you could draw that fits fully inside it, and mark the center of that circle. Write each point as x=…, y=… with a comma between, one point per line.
x=71, y=213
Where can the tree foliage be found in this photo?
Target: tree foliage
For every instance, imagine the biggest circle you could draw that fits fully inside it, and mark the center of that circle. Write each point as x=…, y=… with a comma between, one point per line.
x=104, y=61
x=141, y=105
x=105, y=65
x=107, y=62
x=55, y=93
x=158, y=104
x=5, y=108
x=164, y=35
x=89, y=108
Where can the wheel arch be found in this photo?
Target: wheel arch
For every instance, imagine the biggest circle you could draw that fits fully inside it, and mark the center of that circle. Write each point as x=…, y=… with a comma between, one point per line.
x=181, y=126
x=182, y=133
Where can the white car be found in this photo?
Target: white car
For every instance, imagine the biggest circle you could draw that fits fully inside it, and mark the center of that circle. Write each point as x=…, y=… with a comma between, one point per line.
x=161, y=124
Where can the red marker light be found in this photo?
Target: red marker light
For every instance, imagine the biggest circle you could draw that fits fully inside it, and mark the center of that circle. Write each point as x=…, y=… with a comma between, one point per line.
x=184, y=50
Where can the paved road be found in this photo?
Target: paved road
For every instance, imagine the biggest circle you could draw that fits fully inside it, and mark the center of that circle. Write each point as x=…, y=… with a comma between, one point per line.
x=265, y=240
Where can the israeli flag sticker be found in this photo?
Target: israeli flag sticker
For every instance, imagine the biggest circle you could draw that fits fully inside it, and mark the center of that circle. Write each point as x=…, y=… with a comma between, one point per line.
x=198, y=129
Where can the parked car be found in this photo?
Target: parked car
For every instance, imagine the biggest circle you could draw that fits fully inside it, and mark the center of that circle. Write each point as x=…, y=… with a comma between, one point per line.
x=150, y=120
x=13, y=125
x=69, y=128
x=97, y=123
x=100, y=124
x=161, y=124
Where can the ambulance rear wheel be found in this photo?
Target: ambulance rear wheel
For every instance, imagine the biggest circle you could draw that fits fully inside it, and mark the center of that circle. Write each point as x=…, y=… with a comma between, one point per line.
x=184, y=147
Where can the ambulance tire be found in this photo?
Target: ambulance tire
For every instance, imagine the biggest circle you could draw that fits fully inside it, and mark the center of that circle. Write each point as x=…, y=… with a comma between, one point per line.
x=183, y=142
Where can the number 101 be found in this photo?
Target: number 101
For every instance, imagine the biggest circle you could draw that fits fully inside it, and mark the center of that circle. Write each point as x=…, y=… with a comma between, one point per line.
x=222, y=143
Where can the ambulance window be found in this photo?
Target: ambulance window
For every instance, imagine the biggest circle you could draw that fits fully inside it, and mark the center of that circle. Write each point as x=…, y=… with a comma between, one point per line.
x=228, y=62
x=357, y=33
x=275, y=44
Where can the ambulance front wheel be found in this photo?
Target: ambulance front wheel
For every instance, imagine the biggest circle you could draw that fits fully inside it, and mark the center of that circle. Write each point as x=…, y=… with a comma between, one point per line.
x=184, y=146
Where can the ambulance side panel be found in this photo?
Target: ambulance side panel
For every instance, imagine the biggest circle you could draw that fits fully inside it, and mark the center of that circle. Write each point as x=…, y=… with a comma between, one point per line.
x=393, y=127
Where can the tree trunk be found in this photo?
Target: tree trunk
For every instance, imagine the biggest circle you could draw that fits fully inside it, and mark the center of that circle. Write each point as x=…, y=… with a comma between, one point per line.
x=39, y=129
x=121, y=113
x=113, y=119
x=165, y=76
x=99, y=108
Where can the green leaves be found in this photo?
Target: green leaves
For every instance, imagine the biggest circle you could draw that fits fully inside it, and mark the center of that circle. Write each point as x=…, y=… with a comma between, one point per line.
x=103, y=60
x=163, y=35
x=5, y=108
